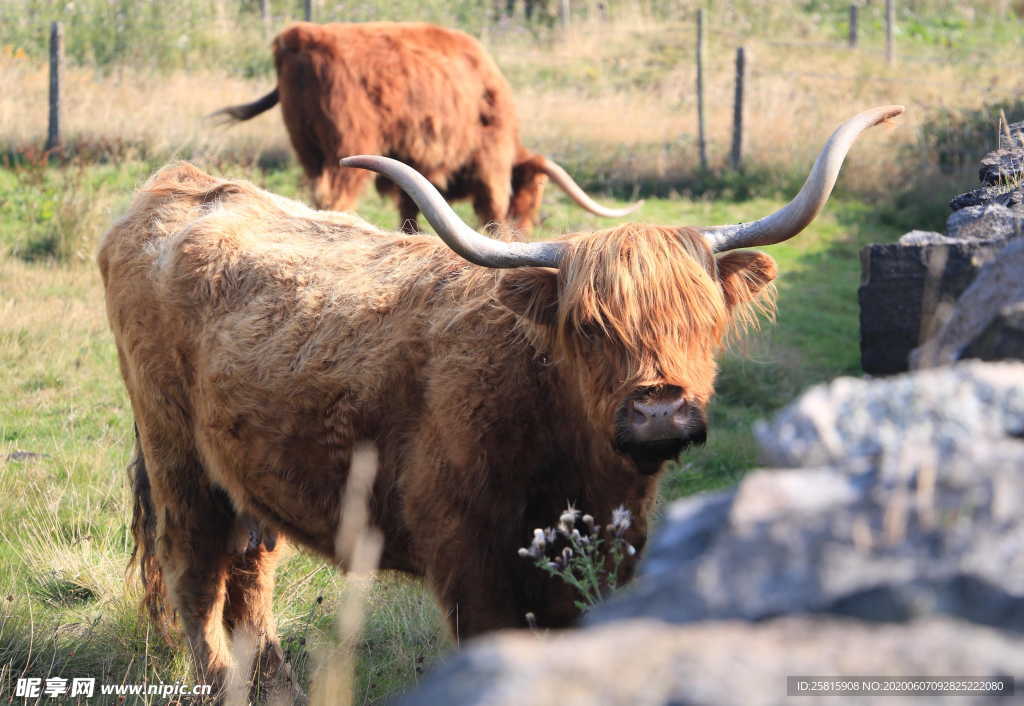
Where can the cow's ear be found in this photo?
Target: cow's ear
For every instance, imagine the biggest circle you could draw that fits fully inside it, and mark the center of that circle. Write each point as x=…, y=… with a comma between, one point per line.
x=532, y=293
x=745, y=275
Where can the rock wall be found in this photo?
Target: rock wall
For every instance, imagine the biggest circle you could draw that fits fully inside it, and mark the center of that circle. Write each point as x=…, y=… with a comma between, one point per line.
x=907, y=288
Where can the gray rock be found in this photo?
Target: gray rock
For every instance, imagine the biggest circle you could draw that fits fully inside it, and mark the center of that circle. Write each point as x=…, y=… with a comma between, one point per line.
x=891, y=556
x=646, y=663
x=1006, y=195
x=988, y=319
x=903, y=284
x=991, y=221
x=1003, y=338
x=1012, y=136
x=924, y=237
x=852, y=420
x=1002, y=166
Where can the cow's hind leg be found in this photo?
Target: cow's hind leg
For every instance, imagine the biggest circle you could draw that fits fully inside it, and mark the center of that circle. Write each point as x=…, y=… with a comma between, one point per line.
x=528, y=181
x=192, y=522
x=248, y=611
x=408, y=211
x=490, y=201
x=408, y=214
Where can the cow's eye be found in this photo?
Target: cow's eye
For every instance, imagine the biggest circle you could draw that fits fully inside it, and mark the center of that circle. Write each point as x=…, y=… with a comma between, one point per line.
x=591, y=331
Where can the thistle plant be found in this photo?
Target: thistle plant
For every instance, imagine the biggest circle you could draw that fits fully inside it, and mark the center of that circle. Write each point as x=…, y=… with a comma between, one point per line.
x=588, y=560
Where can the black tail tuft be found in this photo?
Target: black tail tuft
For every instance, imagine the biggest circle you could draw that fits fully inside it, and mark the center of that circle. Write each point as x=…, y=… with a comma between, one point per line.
x=245, y=111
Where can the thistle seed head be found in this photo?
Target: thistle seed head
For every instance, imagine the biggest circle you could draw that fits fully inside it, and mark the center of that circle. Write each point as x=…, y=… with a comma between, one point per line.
x=567, y=521
x=621, y=520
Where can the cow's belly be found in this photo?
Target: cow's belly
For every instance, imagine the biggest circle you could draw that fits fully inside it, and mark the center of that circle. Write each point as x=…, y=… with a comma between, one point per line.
x=284, y=477
x=289, y=468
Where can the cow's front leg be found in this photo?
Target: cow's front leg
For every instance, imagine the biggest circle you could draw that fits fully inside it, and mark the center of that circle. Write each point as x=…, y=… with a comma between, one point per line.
x=475, y=592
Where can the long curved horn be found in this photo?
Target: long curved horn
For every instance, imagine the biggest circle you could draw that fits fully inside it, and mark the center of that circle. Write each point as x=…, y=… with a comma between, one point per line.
x=798, y=213
x=475, y=247
x=577, y=194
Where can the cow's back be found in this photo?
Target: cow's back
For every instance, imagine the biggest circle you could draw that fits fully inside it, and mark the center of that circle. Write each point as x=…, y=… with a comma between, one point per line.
x=425, y=94
x=204, y=274
x=187, y=237
x=198, y=252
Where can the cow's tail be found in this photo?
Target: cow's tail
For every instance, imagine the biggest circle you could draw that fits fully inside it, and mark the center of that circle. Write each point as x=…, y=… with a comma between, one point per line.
x=245, y=111
x=574, y=191
x=144, y=531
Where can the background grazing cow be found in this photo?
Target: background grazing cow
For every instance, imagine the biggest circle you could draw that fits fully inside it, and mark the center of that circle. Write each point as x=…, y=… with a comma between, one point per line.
x=260, y=340
x=427, y=96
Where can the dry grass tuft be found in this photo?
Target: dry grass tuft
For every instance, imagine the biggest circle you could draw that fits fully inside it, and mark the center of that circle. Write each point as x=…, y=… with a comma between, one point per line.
x=138, y=114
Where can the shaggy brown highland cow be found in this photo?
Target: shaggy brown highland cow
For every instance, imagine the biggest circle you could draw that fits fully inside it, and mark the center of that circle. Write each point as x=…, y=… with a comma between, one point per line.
x=260, y=340
x=427, y=96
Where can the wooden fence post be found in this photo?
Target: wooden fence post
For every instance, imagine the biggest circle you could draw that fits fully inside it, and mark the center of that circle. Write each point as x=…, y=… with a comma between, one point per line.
x=737, y=110
x=890, y=27
x=701, y=139
x=307, y=7
x=853, y=26
x=53, y=140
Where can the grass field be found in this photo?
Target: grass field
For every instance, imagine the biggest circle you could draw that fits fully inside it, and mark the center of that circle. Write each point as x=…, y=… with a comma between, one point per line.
x=611, y=100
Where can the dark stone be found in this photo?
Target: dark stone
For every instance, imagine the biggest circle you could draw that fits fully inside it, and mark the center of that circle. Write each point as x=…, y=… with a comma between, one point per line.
x=1002, y=166
x=975, y=197
x=976, y=600
x=1012, y=137
x=988, y=319
x=894, y=280
x=648, y=663
x=1002, y=339
x=991, y=221
x=1005, y=195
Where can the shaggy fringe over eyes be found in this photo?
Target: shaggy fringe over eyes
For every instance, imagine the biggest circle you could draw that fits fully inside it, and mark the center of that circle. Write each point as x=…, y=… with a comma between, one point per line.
x=649, y=297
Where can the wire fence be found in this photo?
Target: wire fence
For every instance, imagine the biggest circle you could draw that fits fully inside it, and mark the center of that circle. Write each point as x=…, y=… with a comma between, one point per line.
x=588, y=16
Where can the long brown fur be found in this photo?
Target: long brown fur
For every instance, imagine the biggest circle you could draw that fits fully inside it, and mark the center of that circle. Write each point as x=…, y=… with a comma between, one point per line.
x=428, y=96
x=260, y=340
